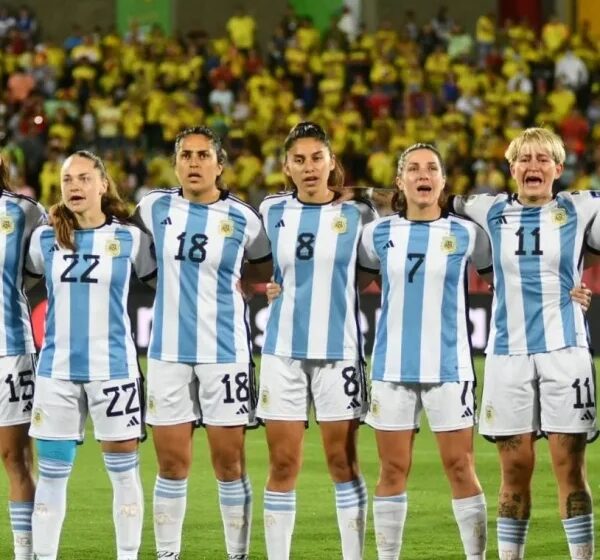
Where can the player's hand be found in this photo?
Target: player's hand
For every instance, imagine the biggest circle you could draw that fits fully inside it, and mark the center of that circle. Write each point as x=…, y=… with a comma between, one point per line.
x=582, y=295
x=273, y=290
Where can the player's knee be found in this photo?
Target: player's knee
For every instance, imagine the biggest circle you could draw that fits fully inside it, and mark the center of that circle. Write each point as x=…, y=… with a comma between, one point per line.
x=517, y=471
x=227, y=467
x=342, y=467
x=459, y=468
x=284, y=467
x=15, y=462
x=56, y=450
x=173, y=467
x=394, y=472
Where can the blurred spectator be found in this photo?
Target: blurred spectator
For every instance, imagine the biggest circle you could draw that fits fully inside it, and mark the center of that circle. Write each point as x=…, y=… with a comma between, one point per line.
x=6, y=22
x=485, y=36
x=554, y=34
x=223, y=97
x=241, y=28
x=348, y=24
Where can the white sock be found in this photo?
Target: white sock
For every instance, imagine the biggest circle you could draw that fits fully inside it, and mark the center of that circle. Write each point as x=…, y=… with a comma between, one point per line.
x=511, y=537
x=389, y=517
x=471, y=518
x=279, y=519
x=49, y=507
x=170, y=497
x=235, y=500
x=580, y=536
x=351, y=505
x=128, y=502
x=20, y=521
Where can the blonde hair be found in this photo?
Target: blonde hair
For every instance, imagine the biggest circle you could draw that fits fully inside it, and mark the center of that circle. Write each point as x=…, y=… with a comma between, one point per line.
x=543, y=137
x=64, y=221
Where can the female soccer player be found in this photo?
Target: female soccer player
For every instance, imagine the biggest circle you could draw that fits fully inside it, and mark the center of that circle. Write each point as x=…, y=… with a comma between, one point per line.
x=88, y=361
x=19, y=215
x=199, y=366
x=421, y=357
x=312, y=351
x=538, y=371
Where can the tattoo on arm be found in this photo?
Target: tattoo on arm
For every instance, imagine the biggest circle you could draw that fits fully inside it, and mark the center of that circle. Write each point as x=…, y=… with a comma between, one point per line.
x=579, y=503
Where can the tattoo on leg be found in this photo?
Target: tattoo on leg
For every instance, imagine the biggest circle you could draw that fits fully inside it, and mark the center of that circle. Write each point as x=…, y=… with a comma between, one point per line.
x=573, y=443
x=514, y=506
x=579, y=503
x=509, y=443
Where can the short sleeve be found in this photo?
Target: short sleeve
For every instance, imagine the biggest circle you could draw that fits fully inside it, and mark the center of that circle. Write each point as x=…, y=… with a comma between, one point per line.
x=258, y=248
x=367, y=255
x=475, y=207
x=144, y=259
x=34, y=263
x=482, y=251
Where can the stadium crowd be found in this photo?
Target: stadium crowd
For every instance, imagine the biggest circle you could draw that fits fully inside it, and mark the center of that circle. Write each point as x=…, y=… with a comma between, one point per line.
x=126, y=97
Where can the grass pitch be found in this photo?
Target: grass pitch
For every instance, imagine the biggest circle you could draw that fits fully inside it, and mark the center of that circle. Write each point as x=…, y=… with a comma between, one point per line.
x=430, y=533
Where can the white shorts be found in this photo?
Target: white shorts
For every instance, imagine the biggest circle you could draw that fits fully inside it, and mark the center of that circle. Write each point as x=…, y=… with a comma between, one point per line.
x=16, y=389
x=550, y=391
x=288, y=387
x=60, y=409
x=210, y=394
x=397, y=406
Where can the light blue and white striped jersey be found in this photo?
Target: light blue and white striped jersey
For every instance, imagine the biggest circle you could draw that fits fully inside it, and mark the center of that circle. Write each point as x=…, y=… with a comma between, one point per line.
x=88, y=332
x=199, y=313
x=314, y=259
x=19, y=216
x=421, y=335
x=537, y=260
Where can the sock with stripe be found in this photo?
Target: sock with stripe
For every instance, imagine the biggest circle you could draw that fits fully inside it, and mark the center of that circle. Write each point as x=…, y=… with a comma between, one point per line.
x=580, y=536
x=20, y=521
x=471, y=518
x=279, y=519
x=389, y=518
x=50, y=507
x=235, y=501
x=351, y=506
x=170, y=498
x=511, y=537
x=128, y=502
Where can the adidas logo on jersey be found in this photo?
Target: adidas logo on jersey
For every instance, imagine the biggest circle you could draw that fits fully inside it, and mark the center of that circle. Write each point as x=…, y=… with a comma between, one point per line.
x=166, y=222
x=133, y=422
x=280, y=223
x=28, y=407
x=501, y=220
x=354, y=403
x=54, y=247
x=468, y=412
x=389, y=244
x=243, y=410
x=588, y=415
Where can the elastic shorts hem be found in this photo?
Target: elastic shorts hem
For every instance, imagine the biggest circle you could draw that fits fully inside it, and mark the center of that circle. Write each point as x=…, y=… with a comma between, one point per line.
x=11, y=423
x=226, y=424
x=171, y=422
x=570, y=430
x=282, y=418
x=508, y=433
x=73, y=437
x=123, y=437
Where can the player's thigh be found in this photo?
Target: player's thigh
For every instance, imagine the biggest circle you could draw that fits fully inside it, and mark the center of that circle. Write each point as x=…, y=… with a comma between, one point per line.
x=567, y=391
x=116, y=409
x=226, y=393
x=284, y=391
x=394, y=406
x=59, y=409
x=16, y=389
x=337, y=389
x=510, y=400
x=449, y=406
x=172, y=393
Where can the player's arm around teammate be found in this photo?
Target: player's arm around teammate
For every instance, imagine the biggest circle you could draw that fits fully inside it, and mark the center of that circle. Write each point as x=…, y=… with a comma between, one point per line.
x=538, y=372
x=88, y=361
x=421, y=358
x=312, y=353
x=20, y=215
x=199, y=361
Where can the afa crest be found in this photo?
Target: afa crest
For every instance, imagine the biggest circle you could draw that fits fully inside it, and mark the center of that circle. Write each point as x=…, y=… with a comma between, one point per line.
x=113, y=248
x=226, y=228
x=448, y=245
x=264, y=398
x=559, y=216
x=7, y=225
x=375, y=407
x=37, y=417
x=339, y=224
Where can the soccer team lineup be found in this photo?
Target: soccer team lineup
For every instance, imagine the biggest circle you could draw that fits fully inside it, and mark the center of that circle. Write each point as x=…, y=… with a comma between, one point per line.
x=315, y=245
x=314, y=446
